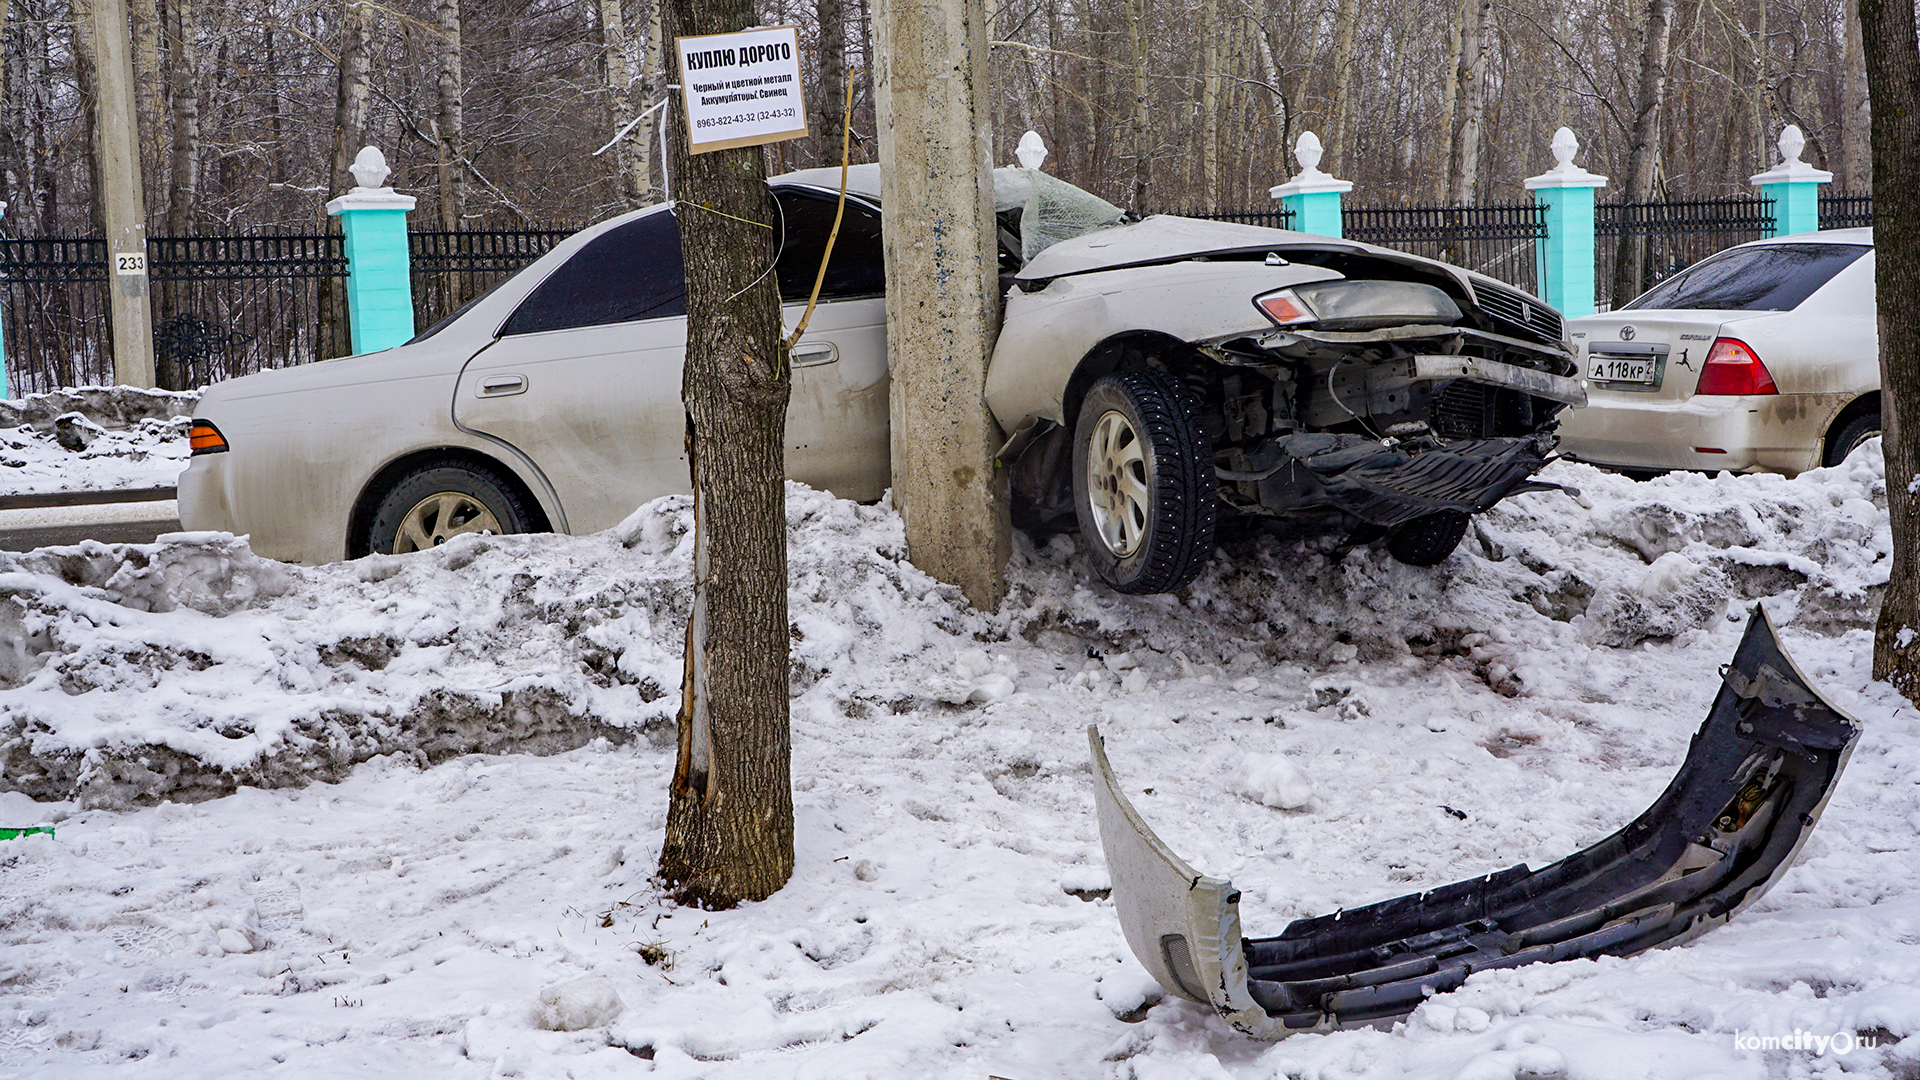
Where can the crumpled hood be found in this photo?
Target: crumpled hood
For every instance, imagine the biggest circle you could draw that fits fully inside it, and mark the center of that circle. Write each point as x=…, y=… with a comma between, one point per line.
x=1167, y=238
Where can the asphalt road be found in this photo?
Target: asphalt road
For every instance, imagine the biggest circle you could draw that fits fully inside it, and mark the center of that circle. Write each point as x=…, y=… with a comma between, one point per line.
x=25, y=527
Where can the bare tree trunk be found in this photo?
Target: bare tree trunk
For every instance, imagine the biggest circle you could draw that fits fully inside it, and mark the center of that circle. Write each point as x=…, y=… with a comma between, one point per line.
x=1346, y=20
x=449, y=121
x=730, y=804
x=352, y=91
x=1140, y=129
x=1210, y=106
x=1643, y=152
x=1892, y=51
x=629, y=168
x=832, y=16
x=183, y=93
x=1856, y=115
x=147, y=79
x=1450, y=96
x=1463, y=157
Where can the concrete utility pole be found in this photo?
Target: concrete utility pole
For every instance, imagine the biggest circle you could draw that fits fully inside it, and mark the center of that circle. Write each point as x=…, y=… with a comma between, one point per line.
x=942, y=285
x=122, y=204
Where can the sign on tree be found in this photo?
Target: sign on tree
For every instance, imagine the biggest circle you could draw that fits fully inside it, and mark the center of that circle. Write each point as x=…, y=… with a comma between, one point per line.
x=742, y=89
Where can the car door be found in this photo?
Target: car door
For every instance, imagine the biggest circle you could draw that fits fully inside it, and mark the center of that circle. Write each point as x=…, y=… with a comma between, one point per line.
x=584, y=376
x=837, y=417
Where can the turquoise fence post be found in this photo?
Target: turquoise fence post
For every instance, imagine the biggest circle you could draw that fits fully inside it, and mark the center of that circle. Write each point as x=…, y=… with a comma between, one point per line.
x=1794, y=187
x=5, y=387
x=379, y=274
x=1313, y=196
x=1563, y=260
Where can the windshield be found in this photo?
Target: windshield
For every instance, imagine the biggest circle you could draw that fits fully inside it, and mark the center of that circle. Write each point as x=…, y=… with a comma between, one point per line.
x=1051, y=210
x=1773, y=277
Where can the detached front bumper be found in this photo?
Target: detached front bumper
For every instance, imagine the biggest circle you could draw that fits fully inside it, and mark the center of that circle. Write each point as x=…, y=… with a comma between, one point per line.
x=1389, y=483
x=1753, y=785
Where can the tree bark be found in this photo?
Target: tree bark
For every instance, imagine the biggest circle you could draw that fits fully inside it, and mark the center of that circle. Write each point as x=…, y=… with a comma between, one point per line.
x=730, y=803
x=183, y=121
x=351, y=95
x=1892, y=51
x=1140, y=127
x=449, y=121
x=1463, y=157
x=832, y=18
x=630, y=176
x=1643, y=152
x=1856, y=115
x=1340, y=124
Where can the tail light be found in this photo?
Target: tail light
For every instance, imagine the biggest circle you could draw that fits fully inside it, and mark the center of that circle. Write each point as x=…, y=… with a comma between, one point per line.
x=1733, y=368
x=204, y=438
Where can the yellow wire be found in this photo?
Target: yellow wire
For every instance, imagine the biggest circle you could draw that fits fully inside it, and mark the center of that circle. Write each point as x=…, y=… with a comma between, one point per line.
x=846, y=126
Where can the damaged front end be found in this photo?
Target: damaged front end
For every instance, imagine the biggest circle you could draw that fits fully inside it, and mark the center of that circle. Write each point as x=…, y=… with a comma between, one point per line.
x=1755, y=780
x=1381, y=400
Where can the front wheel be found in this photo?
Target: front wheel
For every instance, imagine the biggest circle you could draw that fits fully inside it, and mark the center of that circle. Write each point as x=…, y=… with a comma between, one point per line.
x=442, y=500
x=1143, y=482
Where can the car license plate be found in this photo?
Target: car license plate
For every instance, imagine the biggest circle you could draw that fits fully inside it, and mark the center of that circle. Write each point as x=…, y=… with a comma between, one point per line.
x=1638, y=370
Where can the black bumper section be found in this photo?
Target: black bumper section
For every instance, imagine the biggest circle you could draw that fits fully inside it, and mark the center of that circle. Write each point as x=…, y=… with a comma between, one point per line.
x=1388, y=485
x=1755, y=779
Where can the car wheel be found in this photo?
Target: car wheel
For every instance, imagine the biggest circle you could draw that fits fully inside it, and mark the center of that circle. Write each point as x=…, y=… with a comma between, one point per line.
x=442, y=500
x=1143, y=482
x=1425, y=541
x=1847, y=438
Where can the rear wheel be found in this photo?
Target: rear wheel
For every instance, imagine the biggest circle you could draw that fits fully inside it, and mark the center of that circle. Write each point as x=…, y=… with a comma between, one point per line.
x=442, y=500
x=1846, y=438
x=1143, y=482
x=1426, y=541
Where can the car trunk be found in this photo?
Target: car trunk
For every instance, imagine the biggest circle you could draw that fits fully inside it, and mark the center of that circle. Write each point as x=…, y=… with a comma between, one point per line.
x=1655, y=356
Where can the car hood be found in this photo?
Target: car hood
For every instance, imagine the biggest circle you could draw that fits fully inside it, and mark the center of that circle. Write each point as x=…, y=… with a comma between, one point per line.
x=1168, y=238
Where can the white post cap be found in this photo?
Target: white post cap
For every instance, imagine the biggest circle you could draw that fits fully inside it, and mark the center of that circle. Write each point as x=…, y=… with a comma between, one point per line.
x=1031, y=151
x=1791, y=169
x=369, y=192
x=1565, y=174
x=1308, y=152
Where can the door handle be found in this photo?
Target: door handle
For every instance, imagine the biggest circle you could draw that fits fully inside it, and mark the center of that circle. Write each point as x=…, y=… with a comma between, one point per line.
x=503, y=385
x=814, y=353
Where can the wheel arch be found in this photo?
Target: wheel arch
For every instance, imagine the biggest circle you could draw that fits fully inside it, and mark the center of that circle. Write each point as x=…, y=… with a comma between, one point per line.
x=381, y=482
x=1866, y=404
x=1131, y=350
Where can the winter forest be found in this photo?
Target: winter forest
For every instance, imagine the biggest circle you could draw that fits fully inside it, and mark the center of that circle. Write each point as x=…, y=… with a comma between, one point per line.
x=504, y=113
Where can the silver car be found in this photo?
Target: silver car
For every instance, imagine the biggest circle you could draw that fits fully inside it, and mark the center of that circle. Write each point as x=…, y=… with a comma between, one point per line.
x=1763, y=358
x=1155, y=375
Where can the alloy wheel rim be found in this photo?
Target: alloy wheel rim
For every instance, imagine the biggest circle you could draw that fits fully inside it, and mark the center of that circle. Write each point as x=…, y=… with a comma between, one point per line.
x=1117, y=483
x=440, y=517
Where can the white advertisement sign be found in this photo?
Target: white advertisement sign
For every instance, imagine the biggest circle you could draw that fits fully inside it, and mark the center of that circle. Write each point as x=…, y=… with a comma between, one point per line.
x=742, y=89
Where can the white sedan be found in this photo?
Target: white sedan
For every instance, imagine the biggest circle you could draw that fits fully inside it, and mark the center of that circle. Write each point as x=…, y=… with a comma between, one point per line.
x=1763, y=358
x=1155, y=375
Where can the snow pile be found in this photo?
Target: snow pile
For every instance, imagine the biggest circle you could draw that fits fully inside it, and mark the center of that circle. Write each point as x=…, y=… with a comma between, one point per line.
x=1325, y=728
x=93, y=438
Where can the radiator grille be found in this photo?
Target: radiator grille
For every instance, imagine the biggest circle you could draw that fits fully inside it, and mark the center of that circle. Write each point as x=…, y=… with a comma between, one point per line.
x=1518, y=315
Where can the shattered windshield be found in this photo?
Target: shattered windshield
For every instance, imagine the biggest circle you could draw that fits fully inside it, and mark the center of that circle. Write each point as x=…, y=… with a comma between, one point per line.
x=1051, y=210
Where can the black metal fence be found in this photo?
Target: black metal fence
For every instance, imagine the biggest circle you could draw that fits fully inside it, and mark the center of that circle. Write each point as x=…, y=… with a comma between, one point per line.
x=1278, y=217
x=1842, y=210
x=1675, y=234
x=1496, y=240
x=224, y=306
x=452, y=268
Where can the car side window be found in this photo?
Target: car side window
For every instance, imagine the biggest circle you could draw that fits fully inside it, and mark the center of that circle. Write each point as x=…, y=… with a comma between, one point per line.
x=631, y=272
x=857, y=269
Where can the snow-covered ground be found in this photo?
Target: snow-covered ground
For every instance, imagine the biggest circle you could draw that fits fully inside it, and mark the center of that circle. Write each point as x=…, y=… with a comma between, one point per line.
x=1326, y=731
x=93, y=438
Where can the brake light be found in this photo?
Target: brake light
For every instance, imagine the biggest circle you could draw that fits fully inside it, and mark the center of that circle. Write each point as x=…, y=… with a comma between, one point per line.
x=1733, y=368
x=204, y=438
x=1285, y=307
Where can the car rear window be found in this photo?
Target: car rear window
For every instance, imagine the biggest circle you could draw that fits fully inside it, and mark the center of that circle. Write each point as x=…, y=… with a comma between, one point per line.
x=1773, y=277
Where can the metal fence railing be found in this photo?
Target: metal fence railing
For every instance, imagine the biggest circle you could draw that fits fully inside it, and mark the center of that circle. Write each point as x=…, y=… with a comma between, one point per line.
x=1842, y=210
x=452, y=268
x=1495, y=240
x=1676, y=235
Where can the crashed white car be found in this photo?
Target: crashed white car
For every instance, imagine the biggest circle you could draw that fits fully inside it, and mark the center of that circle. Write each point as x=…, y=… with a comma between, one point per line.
x=1154, y=375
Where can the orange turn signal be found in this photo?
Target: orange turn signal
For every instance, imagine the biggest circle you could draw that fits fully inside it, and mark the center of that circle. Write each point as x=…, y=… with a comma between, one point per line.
x=1284, y=307
x=204, y=438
